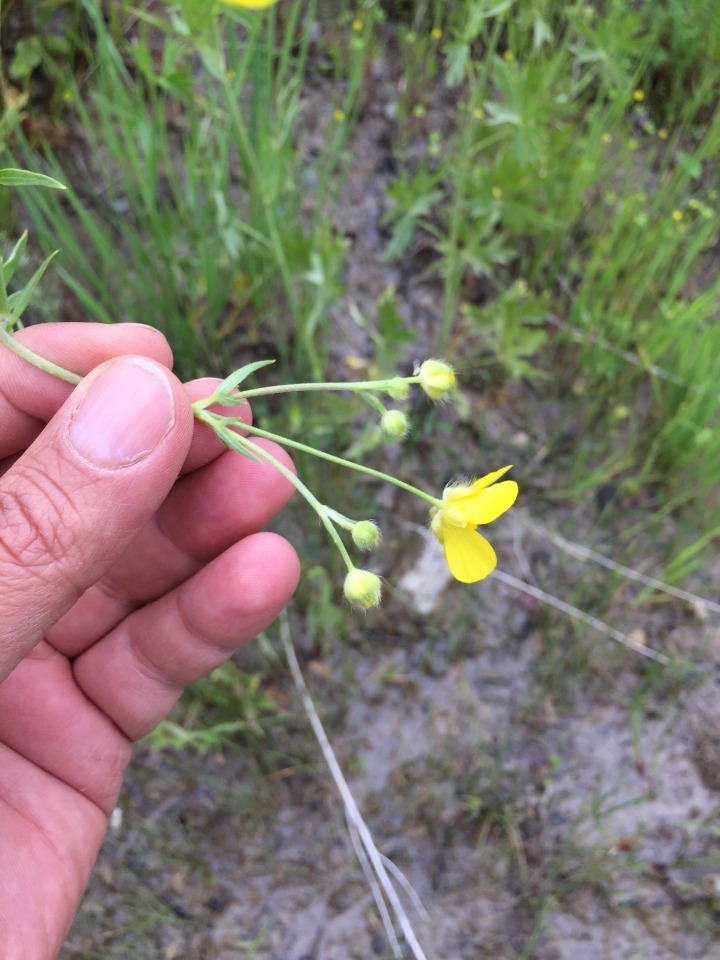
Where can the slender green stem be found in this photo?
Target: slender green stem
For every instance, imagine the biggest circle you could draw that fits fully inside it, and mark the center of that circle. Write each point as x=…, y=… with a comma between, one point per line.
x=376, y=404
x=35, y=359
x=361, y=468
x=355, y=386
x=299, y=486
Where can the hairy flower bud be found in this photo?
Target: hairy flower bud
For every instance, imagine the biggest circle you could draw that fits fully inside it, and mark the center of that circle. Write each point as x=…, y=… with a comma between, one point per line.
x=394, y=423
x=398, y=388
x=436, y=378
x=362, y=589
x=366, y=534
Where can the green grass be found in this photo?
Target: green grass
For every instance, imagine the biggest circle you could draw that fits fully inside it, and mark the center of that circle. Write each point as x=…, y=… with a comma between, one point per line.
x=192, y=220
x=567, y=202
x=573, y=204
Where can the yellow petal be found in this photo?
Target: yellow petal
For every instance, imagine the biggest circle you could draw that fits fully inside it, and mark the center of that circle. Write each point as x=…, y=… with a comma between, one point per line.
x=458, y=491
x=489, y=478
x=469, y=556
x=488, y=504
x=249, y=4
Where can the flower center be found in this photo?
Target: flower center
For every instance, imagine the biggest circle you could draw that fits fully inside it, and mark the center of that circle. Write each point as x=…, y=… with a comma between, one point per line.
x=453, y=516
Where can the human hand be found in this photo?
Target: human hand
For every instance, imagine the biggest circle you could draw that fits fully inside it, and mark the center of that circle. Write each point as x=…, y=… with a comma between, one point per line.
x=119, y=584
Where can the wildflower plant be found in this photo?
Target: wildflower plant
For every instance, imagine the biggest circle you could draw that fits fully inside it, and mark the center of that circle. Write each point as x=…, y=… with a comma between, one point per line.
x=454, y=516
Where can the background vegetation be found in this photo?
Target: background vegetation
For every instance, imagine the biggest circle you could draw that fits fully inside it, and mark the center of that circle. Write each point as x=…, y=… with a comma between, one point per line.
x=547, y=173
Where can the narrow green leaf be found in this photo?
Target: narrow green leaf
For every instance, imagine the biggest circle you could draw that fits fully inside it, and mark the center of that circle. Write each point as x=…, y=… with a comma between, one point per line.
x=234, y=442
x=10, y=265
x=19, y=300
x=236, y=378
x=11, y=177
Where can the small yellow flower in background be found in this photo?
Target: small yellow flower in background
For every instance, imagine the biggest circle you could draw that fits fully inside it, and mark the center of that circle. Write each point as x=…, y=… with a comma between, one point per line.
x=663, y=133
x=497, y=193
x=436, y=378
x=362, y=589
x=357, y=25
x=508, y=56
x=479, y=113
x=606, y=138
x=339, y=115
x=694, y=204
x=249, y=4
x=355, y=363
x=677, y=215
x=464, y=506
x=638, y=96
x=436, y=33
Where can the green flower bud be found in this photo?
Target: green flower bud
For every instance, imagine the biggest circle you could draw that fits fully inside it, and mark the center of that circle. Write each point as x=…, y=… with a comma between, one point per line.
x=394, y=423
x=366, y=534
x=398, y=388
x=362, y=589
x=436, y=378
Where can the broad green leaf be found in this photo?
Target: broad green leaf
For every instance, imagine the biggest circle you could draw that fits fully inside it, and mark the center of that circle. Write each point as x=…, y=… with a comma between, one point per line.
x=10, y=177
x=458, y=57
x=28, y=56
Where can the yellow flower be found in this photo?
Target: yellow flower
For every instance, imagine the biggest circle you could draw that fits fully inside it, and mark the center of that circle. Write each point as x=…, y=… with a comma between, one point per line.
x=638, y=96
x=436, y=33
x=250, y=4
x=455, y=518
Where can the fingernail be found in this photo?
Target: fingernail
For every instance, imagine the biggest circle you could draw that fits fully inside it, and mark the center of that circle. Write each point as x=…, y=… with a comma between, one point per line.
x=143, y=326
x=127, y=410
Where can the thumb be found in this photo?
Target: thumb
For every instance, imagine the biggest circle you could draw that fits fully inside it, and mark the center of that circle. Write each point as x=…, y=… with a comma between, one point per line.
x=83, y=490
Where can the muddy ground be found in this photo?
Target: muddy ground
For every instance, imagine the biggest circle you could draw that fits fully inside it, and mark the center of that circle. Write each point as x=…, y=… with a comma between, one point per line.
x=549, y=794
